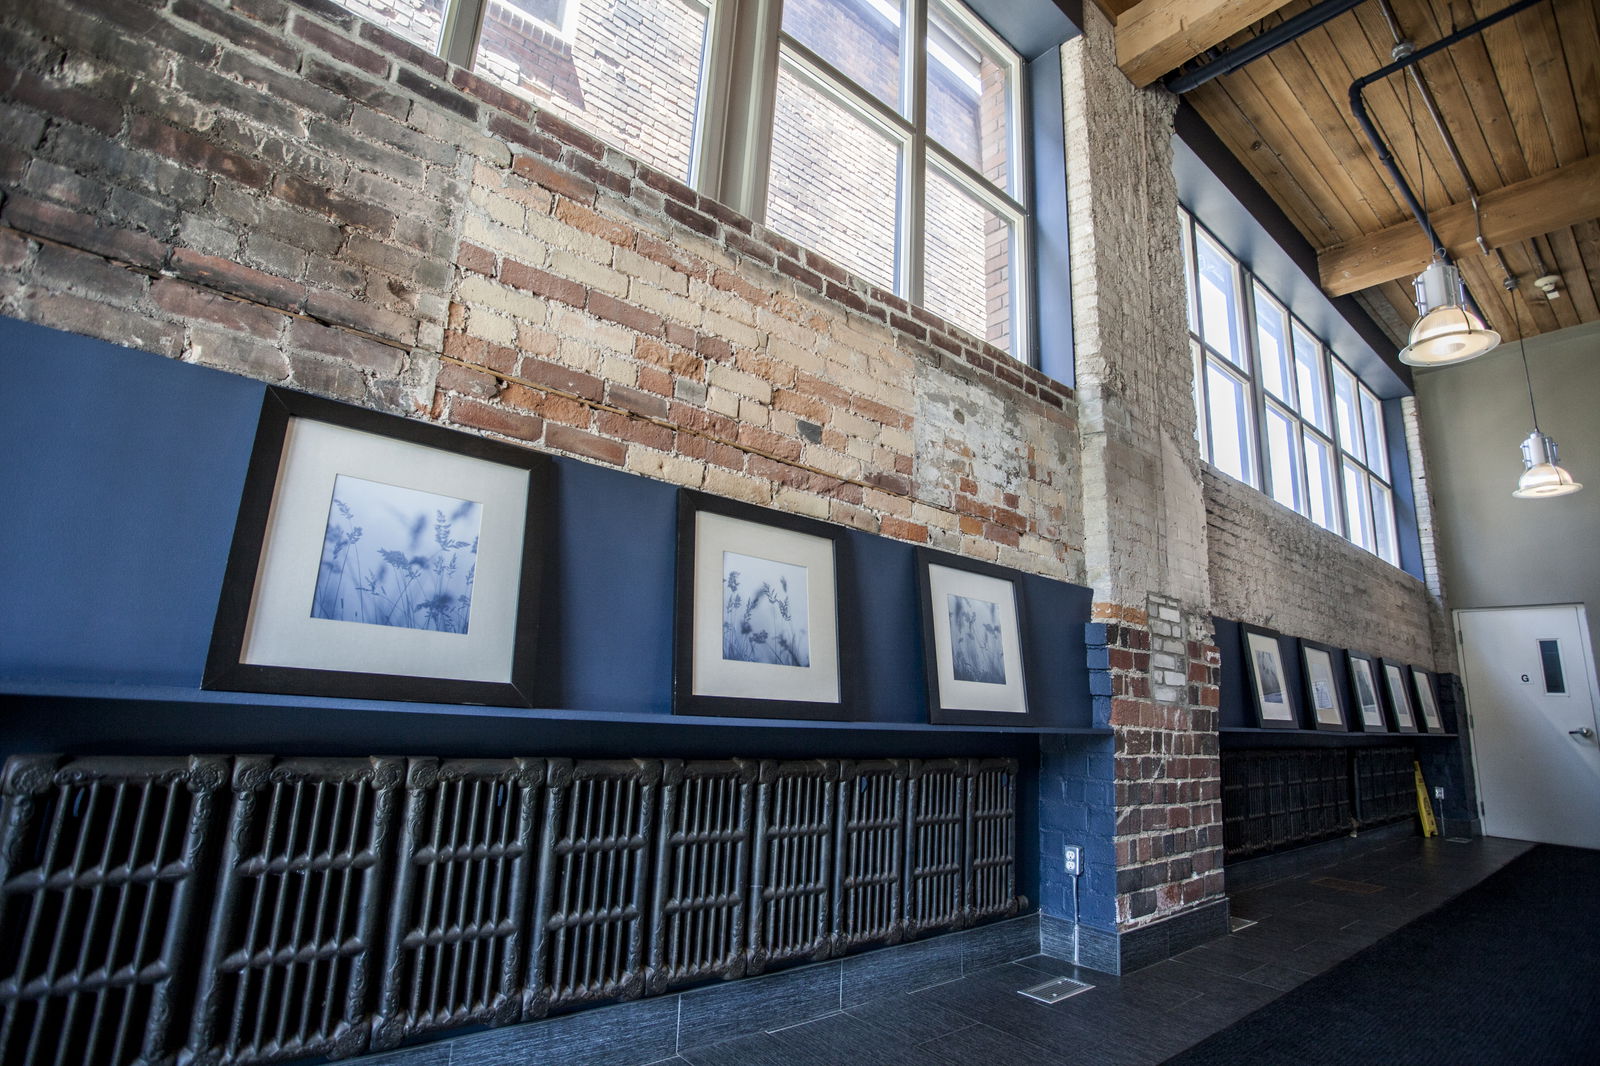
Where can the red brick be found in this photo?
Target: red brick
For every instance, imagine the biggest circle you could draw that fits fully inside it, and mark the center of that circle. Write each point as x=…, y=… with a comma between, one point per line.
x=691, y=219
x=238, y=31
x=801, y=274
x=435, y=93
x=655, y=406
x=94, y=318
x=669, y=185
x=563, y=378
x=895, y=484
x=600, y=174
x=548, y=405
x=542, y=283
x=342, y=310
x=478, y=260
x=467, y=382
x=634, y=430
x=521, y=133
x=547, y=176
x=570, y=135
x=82, y=231
x=580, y=217
x=340, y=47
x=691, y=446
x=495, y=419
x=191, y=301
x=700, y=420
x=14, y=249
x=751, y=248
x=567, y=439
x=192, y=151
x=403, y=49
x=656, y=380
x=63, y=103
x=236, y=279
x=342, y=208
x=771, y=443
x=900, y=529
x=350, y=347
x=730, y=282
x=658, y=251
x=491, y=93
x=612, y=309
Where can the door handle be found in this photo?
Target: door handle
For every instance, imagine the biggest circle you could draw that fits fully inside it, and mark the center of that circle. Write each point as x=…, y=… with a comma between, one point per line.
x=1585, y=732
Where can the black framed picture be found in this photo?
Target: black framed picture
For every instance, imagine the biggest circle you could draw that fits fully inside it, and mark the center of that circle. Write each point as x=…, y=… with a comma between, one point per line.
x=972, y=641
x=377, y=557
x=1426, y=688
x=1322, y=690
x=1401, y=710
x=764, y=622
x=1364, y=689
x=1269, y=684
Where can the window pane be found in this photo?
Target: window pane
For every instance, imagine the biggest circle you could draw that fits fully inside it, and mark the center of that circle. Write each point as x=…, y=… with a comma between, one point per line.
x=834, y=179
x=1320, y=489
x=1344, y=410
x=1356, y=506
x=1383, y=522
x=859, y=37
x=1555, y=678
x=631, y=78
x=969, y=96
x=1229, y=405
x=968, y=266
x=1282, y=459
x=421, y=21
x=1372, y=428
x=1272, y=346
x=1308, y=376
x=1219, y=299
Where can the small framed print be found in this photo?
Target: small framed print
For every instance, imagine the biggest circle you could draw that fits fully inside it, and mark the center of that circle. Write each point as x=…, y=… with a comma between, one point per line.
x=1399, y=693
x=380, y=558
x=972, y=641
x=763, y=629
x=1322, y=691
x=1364, y=689
x=1263, y=656
x=1426, y=687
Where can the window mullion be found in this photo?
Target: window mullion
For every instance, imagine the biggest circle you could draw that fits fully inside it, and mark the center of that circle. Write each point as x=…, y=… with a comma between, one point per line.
x=458, y=40
x=739, y=89
x=913, y=180
x=1258, y=392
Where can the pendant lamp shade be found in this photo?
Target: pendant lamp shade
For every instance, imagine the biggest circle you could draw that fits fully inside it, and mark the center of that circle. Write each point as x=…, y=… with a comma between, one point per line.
x=1542, y=478
x=1448, y=332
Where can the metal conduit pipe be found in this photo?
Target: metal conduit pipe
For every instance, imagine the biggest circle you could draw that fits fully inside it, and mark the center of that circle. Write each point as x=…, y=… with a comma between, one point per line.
x=1259, y=45
x=1358, y=107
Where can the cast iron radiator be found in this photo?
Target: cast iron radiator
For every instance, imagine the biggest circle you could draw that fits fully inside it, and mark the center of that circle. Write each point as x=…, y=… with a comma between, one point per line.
x=241, y=910
x=1282, y=798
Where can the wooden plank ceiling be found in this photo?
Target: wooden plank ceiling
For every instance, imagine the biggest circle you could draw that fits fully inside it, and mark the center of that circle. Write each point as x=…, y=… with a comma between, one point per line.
x=1521, y=100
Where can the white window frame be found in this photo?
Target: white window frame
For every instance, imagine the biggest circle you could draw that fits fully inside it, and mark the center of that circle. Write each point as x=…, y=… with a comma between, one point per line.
x=1341, y=452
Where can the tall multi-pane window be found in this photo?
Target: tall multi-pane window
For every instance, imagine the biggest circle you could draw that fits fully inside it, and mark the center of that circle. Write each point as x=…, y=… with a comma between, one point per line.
x=896, y=134
x=1279, y=411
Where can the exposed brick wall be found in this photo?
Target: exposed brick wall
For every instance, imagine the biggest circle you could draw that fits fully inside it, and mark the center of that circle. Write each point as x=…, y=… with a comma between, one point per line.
x=1273, y=567
x=1444, y=644
x=288, y=192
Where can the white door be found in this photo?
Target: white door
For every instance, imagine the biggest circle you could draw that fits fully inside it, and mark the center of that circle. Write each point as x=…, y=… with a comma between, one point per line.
x=1531, y=693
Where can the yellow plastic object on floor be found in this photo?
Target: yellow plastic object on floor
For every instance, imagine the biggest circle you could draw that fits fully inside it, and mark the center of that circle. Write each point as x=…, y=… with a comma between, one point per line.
x=1430, y=828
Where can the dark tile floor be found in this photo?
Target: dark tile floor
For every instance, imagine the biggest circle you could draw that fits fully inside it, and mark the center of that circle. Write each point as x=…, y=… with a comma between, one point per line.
x=1302, y=927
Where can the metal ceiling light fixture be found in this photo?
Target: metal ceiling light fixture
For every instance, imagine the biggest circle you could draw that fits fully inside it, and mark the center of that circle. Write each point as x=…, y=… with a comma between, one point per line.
x=1541, y=477
x=1447, y=331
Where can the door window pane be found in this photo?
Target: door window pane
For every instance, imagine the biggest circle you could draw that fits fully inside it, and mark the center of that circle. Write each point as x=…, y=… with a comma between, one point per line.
x=1228, y=401
x=1321, y=498
x=1555, y=679
x=834, y=179
x=1282, y=458
x=1219, y=299
x=1372, y=433
x=1356, y=506
x=1383, y=522
x=968, y=261
x=630, y=72
x=860, y=38
x=421, y=21
x=969, y=96
x=1344, y=410
x=1272, y=346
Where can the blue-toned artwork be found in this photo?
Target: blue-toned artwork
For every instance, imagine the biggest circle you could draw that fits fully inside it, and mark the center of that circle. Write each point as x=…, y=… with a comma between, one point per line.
x=394, y=556
x=976, y=650
x=764, y=611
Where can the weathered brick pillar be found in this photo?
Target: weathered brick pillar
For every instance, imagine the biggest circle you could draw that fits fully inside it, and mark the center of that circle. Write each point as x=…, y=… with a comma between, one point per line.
x=1153, y=885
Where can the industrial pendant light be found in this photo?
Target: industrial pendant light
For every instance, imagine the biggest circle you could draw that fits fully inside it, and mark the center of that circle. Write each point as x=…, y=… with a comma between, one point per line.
x=1541, y=478
x=1447, y=331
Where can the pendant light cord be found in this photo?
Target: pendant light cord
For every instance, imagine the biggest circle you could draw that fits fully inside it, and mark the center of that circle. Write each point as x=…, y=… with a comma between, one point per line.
x=1510, y=283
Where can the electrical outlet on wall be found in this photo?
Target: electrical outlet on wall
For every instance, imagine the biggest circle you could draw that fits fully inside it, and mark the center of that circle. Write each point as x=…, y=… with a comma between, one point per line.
x=1072, y=859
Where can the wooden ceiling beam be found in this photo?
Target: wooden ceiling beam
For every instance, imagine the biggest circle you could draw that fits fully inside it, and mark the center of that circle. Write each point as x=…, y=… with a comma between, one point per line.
x=1563, y=197
x=1157, y=36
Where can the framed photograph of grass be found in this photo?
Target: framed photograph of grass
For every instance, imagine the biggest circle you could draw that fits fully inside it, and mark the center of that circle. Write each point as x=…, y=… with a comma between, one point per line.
x=376, y=557
x=1364, y=689
x=1269, y=683
x=763, y=624
x=1322, y=690
x=972, y=641
x=1401, y=710
x=1426, y=688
